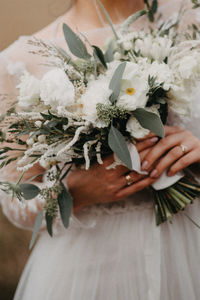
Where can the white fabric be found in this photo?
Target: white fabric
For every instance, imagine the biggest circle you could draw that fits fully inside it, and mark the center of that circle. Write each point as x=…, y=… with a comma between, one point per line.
x=112, y=251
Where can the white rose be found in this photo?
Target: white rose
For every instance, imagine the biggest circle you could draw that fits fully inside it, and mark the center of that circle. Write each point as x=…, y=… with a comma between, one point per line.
x=29, y=90
x=56, y=89
x=134, y=88
x=97, y=92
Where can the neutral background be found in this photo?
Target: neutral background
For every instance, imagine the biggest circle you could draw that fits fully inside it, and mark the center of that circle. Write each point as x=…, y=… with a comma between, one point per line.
x=22, y=17
x=19, y=17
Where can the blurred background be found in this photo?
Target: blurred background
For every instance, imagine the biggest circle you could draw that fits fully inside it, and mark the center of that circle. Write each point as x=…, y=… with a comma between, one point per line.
x=19, y=17
x=24, y=17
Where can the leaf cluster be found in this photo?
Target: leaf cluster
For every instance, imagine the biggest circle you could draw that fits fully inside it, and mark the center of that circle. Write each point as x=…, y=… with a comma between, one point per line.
x=157, y=95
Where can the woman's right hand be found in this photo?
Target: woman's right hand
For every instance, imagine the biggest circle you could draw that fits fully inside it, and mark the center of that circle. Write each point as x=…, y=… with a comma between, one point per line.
x=99, y=185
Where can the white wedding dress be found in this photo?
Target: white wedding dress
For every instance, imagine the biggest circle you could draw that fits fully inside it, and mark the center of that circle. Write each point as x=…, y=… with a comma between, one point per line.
x=109, y=252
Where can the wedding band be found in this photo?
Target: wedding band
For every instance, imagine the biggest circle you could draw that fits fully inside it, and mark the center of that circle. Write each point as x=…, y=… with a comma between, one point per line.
x=129, y=181
x=183, y=148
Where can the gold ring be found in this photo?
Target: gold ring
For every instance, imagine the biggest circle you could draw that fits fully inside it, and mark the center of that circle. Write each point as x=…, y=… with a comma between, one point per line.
x=183, y=148
x=129, y=181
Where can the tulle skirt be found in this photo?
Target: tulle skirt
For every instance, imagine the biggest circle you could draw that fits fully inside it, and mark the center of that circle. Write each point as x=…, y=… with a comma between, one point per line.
x=123, y=256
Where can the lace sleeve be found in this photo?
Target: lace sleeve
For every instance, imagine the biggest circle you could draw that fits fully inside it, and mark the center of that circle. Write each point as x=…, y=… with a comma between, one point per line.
x=13, y=61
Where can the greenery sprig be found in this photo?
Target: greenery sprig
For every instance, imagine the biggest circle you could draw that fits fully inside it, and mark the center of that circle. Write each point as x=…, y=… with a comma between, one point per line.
x=152, y=9
x=196, y=3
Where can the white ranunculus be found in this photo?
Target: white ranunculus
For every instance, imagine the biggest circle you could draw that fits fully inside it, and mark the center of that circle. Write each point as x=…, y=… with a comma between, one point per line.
x=29, y=90
x=97, y=92
x=134, y=127
x=56, y=89
x=134, y=88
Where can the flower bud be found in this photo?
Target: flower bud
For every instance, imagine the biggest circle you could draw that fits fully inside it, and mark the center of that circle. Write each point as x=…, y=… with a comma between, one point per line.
x=117, y=56
x=30, y=141
x=38, y=124
x=127, y=45
x=42, y=138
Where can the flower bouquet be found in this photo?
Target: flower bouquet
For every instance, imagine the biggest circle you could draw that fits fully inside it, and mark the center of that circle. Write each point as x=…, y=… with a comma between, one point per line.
x=98, y=103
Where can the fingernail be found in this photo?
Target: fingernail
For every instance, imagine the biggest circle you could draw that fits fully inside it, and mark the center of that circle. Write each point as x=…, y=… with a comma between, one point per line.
x=154, y=173
x=154, y=139
x=144, y=165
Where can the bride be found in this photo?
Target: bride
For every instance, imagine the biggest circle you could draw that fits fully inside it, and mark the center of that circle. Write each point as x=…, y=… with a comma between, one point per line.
x=112, y=248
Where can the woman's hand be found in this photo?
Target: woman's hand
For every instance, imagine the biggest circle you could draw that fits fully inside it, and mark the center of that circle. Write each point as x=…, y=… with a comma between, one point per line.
x=176, y=151
x=99, y=185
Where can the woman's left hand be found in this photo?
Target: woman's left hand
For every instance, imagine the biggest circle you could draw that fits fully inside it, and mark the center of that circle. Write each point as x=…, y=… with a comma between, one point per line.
x=176, y=151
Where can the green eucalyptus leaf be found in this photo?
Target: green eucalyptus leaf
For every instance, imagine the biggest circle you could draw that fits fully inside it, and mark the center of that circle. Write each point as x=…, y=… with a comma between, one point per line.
x=49, y=223
x=154, y=6
x=108, y=19
x=29, y=191
x=75, y=44
x=63, y=53
x=118, y=145
x=109, y=56
x=46, y=117
x=116, y=82
x=100, y=55
x=38, y=223
x=65, y=205
x=149, y=121
x=130, y=20
x=52, y=123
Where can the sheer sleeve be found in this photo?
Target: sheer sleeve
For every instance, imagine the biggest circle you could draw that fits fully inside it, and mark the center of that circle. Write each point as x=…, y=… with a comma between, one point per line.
x=13, y=61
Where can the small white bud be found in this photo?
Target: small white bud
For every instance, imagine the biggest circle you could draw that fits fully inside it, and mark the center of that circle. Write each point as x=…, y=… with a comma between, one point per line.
x=30, y=141
x=117, y=56
x=65, y=127
x=38, y=124
x=127, y=45
x=42, y=138
x=45, y=164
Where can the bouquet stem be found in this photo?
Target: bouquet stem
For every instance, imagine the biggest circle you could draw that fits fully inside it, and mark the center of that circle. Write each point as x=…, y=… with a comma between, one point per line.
x=175, y=198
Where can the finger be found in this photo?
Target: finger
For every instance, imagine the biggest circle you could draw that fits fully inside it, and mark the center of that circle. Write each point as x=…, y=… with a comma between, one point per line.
x=172, y=129
x=146, y=143
x=168, y=130
x=133, y=178
x=135, y=187
x=160, y=149
x=148, y=136
x=184, y=162
x=166, y=161
x=118, y=169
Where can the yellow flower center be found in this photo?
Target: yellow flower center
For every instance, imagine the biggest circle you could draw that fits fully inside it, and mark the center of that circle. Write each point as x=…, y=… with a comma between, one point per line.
x=130, y=91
